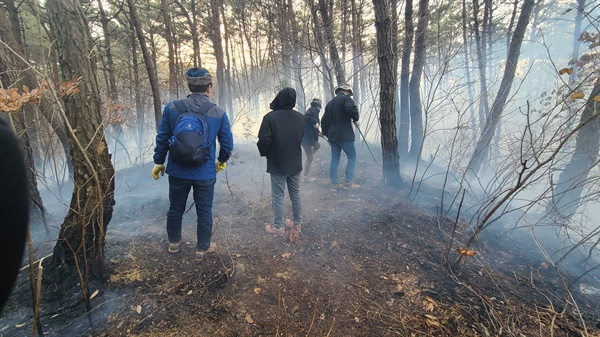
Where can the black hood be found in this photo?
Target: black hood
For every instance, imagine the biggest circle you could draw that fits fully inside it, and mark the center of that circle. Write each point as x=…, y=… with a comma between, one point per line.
x=286, y=98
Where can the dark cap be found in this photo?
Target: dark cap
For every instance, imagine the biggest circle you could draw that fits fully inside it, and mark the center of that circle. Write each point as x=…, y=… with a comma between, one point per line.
x=198, y=76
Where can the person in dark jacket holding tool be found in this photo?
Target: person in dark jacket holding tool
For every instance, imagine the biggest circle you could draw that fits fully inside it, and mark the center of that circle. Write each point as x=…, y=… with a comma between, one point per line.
x=280, y=139
x=310, y=141
x=340, y=114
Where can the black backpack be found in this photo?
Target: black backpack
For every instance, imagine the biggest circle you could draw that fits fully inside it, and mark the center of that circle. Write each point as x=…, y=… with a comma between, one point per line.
x=189, y=145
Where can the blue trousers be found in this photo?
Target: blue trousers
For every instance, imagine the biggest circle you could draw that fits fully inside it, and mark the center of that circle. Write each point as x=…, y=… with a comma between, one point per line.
x=278, y=184
x=336, y=151
x=204, y=192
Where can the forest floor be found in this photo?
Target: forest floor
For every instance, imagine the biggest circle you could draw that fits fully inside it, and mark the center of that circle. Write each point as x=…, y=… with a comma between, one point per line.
x=368, y=262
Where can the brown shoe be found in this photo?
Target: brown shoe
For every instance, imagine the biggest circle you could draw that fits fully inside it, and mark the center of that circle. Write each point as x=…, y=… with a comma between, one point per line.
x=174, y=247
x=200, y=254
x=290, y=224
x=350, y=186
x=274, y=230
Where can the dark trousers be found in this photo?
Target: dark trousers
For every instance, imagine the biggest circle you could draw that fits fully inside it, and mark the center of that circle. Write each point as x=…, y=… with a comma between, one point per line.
x=204, y=192
x=310, y=151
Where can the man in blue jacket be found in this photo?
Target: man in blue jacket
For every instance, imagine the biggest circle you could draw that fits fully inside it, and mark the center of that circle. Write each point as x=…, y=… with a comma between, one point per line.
x=182, y=177
x=280, y=140
x=336, y=125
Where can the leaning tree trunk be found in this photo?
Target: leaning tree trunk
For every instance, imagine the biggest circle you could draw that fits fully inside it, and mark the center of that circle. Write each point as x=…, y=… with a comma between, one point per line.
x=482, y=148
x=148, y=61
x=571, y=182
x=387, y=92
x=416, y=110
x=296, y=58
x=80, y=245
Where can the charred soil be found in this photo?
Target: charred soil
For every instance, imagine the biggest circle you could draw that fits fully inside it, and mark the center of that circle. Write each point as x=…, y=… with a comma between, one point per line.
x=367, y=262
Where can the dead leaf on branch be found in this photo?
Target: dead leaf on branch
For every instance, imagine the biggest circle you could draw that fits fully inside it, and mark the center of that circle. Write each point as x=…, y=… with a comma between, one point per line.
x=576, y=96
x=466, y=252
x=596, y=98
x=565, y=71
x=249, y=319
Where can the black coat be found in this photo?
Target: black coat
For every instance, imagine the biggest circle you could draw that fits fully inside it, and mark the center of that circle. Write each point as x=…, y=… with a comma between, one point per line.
x=337, y=120
x=14, y=207
x=311, y=123
x=280, y=135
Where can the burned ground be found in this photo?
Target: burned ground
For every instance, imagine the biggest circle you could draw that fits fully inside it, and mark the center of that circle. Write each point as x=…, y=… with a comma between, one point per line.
x=368, y=262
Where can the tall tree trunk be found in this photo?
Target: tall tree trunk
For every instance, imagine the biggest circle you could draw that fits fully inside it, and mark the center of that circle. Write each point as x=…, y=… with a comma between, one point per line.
x=409, y=29
x=229, y=98
x=482, y=148
x=572, y=180
x=217, y=41
x=296, y=59
x=387, y=91
x=192, y=23
x=321, y=47
x=326, y=10
x=152, y=77
x=285, y=45
x=166, y=15
x=139, y=109
x=28, y=77
x=112, y=82
x=576, y=42
x=81, y=239
x=416, y=111
x=467, y=61
x=357, y=58
x=480, y=47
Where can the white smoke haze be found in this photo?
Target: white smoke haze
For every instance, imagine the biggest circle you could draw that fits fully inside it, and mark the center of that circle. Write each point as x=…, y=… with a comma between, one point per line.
x=535, y=124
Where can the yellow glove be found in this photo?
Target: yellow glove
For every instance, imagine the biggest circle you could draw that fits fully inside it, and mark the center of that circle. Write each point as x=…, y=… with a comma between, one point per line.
x=221, y=166
x=158, y=168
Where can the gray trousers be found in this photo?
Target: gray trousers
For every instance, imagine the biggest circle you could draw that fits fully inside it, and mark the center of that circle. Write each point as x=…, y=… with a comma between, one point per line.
x=278, y=184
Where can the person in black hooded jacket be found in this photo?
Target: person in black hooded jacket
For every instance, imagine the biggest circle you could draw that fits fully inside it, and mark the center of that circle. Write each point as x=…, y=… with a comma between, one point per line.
x=280, y=139
x=14, y=207
x=310, y=141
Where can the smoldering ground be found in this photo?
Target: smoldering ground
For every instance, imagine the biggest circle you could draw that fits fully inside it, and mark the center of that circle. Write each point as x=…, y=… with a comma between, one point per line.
x=370, y=262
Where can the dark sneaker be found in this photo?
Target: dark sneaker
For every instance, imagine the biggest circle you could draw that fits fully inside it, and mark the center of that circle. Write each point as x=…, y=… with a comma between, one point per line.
x=174, y=247
x=274, y=230
x=200, y=254
x=350, y=186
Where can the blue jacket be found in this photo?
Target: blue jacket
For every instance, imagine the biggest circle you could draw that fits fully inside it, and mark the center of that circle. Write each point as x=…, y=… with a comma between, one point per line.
x=218, y=127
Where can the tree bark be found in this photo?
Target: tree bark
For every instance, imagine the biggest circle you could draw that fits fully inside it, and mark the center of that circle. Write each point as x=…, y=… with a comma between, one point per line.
x=229, y=86
x=571, y=182
x=326, y=10
x=166, y=15
x=112, y=82
x=357, y=57
x=152, y=77
x=217, y=41
x=409, y=29
x=480, y=47
x=81, y=238
x=416, y=111
x=296, y=58
x=387, y=92
x=482, y=147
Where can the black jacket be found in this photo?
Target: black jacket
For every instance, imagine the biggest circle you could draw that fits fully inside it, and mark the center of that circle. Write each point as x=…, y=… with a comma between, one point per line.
x=337, y=120
x=280, y=135
x=311, y=123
